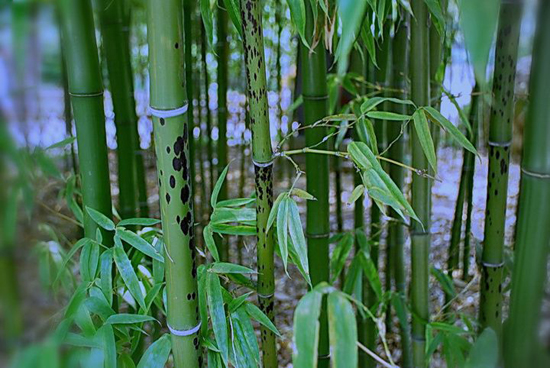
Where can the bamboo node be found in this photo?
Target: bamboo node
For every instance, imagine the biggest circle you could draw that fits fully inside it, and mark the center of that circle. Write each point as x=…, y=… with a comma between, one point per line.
x=169, y=113
x=535, y=174
x=315, y=98
x=492, y=265
x=92, y=94
x=500, y=144
x=183, y=333
x=263, y=164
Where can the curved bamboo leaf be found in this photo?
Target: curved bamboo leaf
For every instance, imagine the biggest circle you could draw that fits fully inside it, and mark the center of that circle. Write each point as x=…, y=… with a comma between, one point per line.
x=139, y=243
x=127, y=272
x=306, y=330
x=128, y=319
x=157, y=354
x=139, y=222
x=392, y=116
x=451, y=129
x=351, y=13
x=255, y=313
x=224, y=268
x=100, y=219
x=297, y=234
x=208, y=236
x=339, y=255
x=425, y=137
x=217, y=314
x=484, y=352
x=234, y=10
x=342, y=331
x=218, y=187
x=282, y=230
x=298, y=16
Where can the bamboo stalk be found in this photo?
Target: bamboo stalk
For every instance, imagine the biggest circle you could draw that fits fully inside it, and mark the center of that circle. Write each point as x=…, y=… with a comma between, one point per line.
x=421, y=186
x=86, y=92
x=222, y=49
x=168, y=94
x=117, y=55
x=521, y=343
x=262, y=156
x=208, y=136
x=396, y=231
x=188, y=8
x=315, y=95
x=500, y=140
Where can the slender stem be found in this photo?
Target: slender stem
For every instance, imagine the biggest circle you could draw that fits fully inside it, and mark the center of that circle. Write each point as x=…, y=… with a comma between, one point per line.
x=421, y=187
x=188, y=8
x=262, y=156
x=86, y=92
x=166, y=56
x=522, y=346
x=396, y=152
x=206, y=79
x=315, y=95
x=500, y=139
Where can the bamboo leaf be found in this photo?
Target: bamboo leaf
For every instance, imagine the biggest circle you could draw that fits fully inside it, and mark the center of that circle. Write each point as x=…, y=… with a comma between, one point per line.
x=249, y=336
x=203, y=303
x=339, y=255
x=100, y=219
x=234, y=11
x=298, y=16
x=217, y=314
x=207, y=16
x=218, y=187
x=371, y=273
x=437, y=15
x=372, y=102
x=297, y=234
x=61, y=144
x=255, y=313
x=282, y=230
x=306, y=330
x=484, y=352
x=106, y=275
x=127, y=319
x=451, y=129
x=139, y=222
x=392, y=116
x=223, y=215
x=208, y=236
x=127, y=272
x=300, y=193
x=478, y=21
x=236, y=202
x=342, y=331
x=223, y=268
x=157, y=354
x=107, y=337
x=351, y=13
x=139, y=243
x=233, y=229
x=274, y=211
x=356, y=194
x=445, y=281
x=424, y=137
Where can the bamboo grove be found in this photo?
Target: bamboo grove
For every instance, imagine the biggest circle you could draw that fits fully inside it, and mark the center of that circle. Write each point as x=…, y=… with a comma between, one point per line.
x=259, y=183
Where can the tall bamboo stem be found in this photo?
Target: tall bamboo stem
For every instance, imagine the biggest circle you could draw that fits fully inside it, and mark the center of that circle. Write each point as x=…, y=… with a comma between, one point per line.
x=421, y=186
x=396, y=231
x=521, y=345
x=168, y=96
x=86, y=92
x=315, y=94
x=222, y=49
x=208, y=135
x=500, y=140
x=117, y=55
x=262, y=156
x=188, y=6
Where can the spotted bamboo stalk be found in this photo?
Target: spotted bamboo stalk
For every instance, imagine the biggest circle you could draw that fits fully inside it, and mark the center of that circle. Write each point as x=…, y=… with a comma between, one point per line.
x=222, y=49
x=262, y=156
x=522, y=346
x=315, y=95
x=421, y=186
x=168, y=101
x=86, y=90
x=500, y=140
x=396, y=230
x=188, y=8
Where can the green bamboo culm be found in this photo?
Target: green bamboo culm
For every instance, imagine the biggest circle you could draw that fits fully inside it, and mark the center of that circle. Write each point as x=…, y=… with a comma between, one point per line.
x=117, y=55
x=396, y=230
x=500, y=140
x=188, y=9
x=207, y=136
x=468, y=169
x=521, y=343
x=86, y=90
x=315, y=95
x=222, y=49
x=262, y=156
x=421, y=186
x=168, y=107
x=464, y=196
